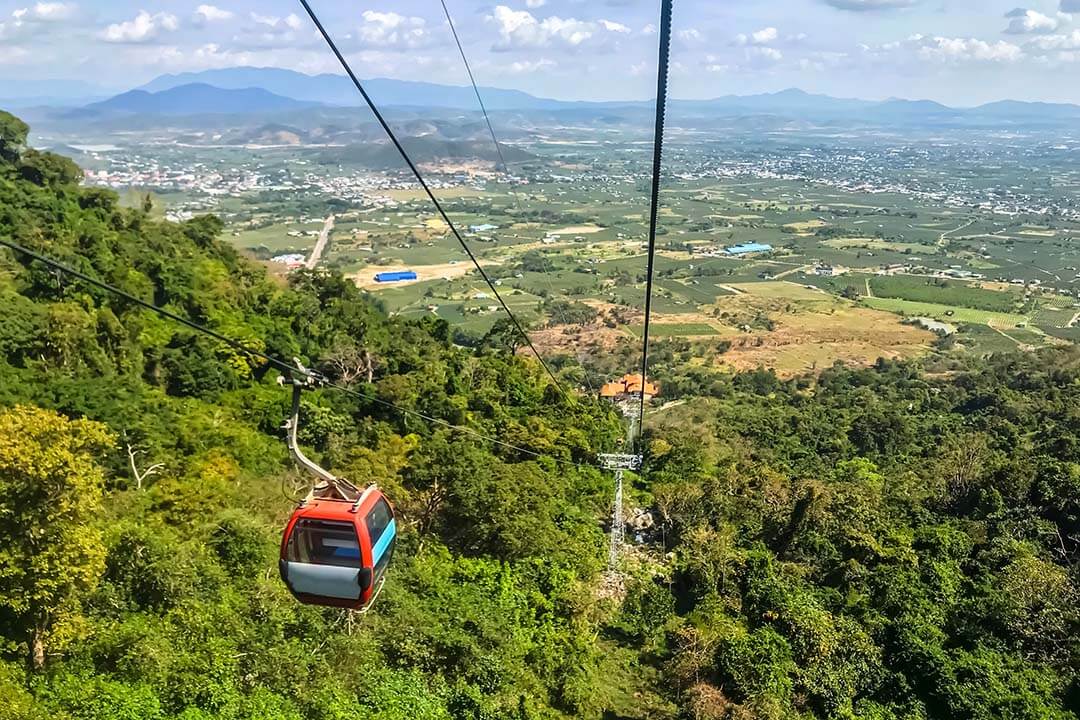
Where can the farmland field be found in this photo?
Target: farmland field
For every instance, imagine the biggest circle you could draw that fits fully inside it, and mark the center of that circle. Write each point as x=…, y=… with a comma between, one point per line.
x=854, y=249
x=943, y=292
x=946, y=312
x=659, y=329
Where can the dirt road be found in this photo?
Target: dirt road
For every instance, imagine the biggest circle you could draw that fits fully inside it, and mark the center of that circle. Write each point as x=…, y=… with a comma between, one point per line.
x=320, y=246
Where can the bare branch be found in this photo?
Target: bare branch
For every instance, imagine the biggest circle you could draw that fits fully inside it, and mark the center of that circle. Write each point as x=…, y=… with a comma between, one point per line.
x=140, y=477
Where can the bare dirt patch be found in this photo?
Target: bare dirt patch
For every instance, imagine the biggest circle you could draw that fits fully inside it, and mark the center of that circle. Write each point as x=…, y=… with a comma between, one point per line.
x=447, y=271
x=810, y=341
x=577, y=230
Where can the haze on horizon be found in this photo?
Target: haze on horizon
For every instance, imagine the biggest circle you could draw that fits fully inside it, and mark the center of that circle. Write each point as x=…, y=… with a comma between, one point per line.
x=957, y=53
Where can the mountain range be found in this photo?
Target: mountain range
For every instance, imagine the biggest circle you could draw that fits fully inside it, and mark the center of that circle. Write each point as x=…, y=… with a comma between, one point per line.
x=338, y=89
x=259, y=92
x=200, y=98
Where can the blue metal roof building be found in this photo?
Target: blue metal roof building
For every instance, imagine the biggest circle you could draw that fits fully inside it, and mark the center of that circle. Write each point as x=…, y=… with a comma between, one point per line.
x=395, y=276
x=746, y=248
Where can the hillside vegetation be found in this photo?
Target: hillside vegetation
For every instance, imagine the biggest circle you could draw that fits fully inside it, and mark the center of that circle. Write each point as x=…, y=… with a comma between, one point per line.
x=880, y=543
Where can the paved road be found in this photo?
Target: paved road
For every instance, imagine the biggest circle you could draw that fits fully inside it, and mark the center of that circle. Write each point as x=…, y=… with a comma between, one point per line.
x=320, y=246
x=947, y=233
x=800, y=268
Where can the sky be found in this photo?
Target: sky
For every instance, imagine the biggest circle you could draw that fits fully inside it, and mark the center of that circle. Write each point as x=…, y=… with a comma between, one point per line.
x=959, y=52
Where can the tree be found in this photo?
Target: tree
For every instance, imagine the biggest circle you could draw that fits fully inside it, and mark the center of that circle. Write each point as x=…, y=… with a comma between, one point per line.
x=350, y=362
x=13, y=132
x=51, y=551
x=504, y=335
x=46, y=168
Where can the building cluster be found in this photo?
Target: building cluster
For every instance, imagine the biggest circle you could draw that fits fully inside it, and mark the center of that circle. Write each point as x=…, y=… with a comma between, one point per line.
x=627, y=387
x=922, y=172
x=176, y=173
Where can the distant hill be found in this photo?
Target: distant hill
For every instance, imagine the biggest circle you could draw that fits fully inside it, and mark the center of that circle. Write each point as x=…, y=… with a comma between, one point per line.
x=792, y=103
x=1011, y=109
x=198, y=99
x=339, y=90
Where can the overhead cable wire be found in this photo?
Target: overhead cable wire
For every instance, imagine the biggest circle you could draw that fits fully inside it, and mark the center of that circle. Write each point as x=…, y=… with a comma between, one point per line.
x=427, y=189
x=475, y=88
x=275, y=362
x=234, y=344
x=491, y=130
x=445, y=423
x=658, y=150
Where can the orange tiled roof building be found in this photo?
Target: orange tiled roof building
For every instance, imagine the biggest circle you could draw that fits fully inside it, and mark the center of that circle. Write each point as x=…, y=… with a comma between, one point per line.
x=628, y=386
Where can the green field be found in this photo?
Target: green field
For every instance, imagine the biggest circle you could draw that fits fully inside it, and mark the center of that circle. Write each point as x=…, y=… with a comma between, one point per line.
x=943, y=292
x=666, y=330
x=945, y=313
x=275, y=238
x=876, y=244
x=542, y=235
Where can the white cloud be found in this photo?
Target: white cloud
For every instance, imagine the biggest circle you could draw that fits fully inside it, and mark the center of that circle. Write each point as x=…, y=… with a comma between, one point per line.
x=944, y=49
x=275, y=24
x=715, y=64
x=388, y=29
x=763, y=36
x=11, y=55
x=870, y=5
x=533, y=4
x=764, y=55
x=212, y=13
x=32, y=20
x=143, y=28
x=272, y=31
x=690, y=35
x=530, y=66
x=938, y=49
x=614, y=27
x=520, y=29
x=1028, y=22
x=1064, y=41
x=52, y=11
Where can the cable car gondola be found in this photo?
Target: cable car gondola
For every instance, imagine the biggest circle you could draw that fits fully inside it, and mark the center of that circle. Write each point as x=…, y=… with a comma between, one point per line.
x=340, y=539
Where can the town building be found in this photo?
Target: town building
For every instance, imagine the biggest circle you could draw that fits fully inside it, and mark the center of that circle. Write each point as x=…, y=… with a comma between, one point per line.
x=627, y=387
x=748, y=248
x=395, y=276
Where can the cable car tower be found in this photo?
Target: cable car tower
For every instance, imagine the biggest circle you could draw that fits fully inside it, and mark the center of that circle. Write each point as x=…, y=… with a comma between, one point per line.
x=622, y=462
x=618, y=462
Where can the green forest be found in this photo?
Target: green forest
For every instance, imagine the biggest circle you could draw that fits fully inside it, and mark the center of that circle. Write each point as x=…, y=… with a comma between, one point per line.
x=900, y=541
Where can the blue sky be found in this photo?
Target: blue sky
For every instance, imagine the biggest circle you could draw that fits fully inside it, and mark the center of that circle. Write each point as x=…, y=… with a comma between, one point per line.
x=956, y=51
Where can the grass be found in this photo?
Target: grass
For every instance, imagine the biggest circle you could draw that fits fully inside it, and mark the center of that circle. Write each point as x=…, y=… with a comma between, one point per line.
x=946, y=313
x=782, y=290
x=875, y=244
x=702, y=293
x=983, y=340
x=276, y=239
x=1052, y=316
x=943, y=292
x=666, y=330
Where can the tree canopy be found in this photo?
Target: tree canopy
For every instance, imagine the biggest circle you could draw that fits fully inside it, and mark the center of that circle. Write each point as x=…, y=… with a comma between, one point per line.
x=900, y=541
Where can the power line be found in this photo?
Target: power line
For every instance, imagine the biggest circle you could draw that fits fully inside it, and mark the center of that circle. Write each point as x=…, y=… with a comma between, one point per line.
x=447, y=424
x=278, y=363
x=234, y=344
x=420, y=179
x=491, y=130
x=658, y=149
x=476, y=89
